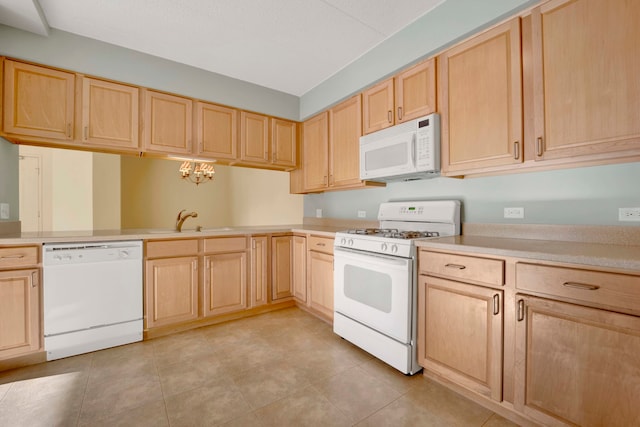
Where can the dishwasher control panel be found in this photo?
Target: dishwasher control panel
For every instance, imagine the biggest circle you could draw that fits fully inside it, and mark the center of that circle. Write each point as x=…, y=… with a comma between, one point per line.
x=81, y=253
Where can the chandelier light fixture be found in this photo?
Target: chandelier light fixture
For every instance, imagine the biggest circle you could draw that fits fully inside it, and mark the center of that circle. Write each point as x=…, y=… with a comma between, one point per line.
x=196, y=172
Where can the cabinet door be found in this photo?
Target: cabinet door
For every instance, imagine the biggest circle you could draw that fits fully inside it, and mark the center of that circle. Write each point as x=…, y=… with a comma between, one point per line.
x=254, y=137
x=481, y=101
x=378, y=109
x=415, y=91
x=315, y=148
x=345, y=130
x=225, y=283
x=576, y=365
x=259, y=271
x=320, y=278
x=216, y=131
x=586, y=63
x=167, y=124
x=171, y=291
x=283, y=142
x=460, y=334
x=38, y=101
x=300, y=268
x=281, y=267
x=109, y=114
x=19, y=312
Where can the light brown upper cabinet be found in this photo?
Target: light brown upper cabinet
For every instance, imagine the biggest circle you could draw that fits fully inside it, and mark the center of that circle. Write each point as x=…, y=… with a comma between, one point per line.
x=109, y=114
x=267, y=141
x=586, y=68
x=167, y=125
x=345, y=130
x=480, y=96
x=330, y=148
x=216, y=131
x=409, y=95
x=283, y=142
x=315, y=148
x=254, y=138
x=38, y=102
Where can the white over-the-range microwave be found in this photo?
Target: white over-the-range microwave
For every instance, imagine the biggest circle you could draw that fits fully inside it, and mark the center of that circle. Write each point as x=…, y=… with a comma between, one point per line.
x=404, y=152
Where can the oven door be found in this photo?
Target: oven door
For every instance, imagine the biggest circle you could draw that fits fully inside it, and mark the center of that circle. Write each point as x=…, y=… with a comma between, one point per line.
x=375, y=290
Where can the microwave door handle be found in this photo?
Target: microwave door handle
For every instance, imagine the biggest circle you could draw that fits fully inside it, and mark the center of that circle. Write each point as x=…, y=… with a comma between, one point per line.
x=413, y=150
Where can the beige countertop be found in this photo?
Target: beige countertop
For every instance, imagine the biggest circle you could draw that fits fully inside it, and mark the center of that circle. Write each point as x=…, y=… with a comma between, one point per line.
x=158, y=234
x=593, y=254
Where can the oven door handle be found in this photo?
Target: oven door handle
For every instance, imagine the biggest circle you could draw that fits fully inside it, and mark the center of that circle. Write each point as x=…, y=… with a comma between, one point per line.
x=366, y=256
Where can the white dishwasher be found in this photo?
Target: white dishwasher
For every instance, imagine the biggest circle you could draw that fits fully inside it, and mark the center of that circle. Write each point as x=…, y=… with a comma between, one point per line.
x=92, y=296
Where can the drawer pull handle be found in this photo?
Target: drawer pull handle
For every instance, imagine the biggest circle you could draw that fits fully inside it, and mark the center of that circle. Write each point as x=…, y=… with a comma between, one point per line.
x=18, y=256
x=496, y=304
x=456, y=266
x=389, y=116
x=539, y=147
x=516, y=150
x=520, y=310
x=320, y=244
x=583, y=286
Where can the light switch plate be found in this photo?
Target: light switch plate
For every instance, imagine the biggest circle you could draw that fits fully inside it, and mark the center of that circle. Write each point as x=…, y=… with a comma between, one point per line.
x=362, y=214
x=4, y=211
x=318, y=213
x=514, y=213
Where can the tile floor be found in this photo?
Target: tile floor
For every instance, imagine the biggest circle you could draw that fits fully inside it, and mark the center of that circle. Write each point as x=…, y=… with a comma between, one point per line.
x=284, y=368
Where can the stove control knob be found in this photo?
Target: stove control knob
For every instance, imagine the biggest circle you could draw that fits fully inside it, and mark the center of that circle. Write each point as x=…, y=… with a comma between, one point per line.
x=350, y=242
x=343, y=241
x=394, y=249
x=384, y=247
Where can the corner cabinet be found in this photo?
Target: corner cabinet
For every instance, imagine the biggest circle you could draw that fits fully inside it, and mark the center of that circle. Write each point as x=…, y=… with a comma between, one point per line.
x=281, y=267
x=167, y=123
x=585, y=67
x=109, y=114
x=225, y=275
x=300, y=268
x=331, y=149
x=171, y=282
x=480, y=96
x=38, y=102
x=20, y=294
x=258, y=294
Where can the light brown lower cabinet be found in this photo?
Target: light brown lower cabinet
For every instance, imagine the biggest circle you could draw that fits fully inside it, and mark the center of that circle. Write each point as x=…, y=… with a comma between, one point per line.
x=281, y=267
x=576, y=365
x=225, y=275
x=460, y=333
x=20, y=331
x=258, y=293
x=320, y=280
x=300, y=268
x=171, y=290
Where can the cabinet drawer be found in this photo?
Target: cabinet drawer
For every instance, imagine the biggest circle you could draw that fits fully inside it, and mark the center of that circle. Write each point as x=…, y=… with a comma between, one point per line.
x=462, y=267
x=610, y=289
x=19, y=256
x=172, y=248
x=320, y=244
x=225, y=244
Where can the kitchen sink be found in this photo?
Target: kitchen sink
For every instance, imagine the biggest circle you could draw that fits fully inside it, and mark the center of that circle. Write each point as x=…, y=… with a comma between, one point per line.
x=217, y=229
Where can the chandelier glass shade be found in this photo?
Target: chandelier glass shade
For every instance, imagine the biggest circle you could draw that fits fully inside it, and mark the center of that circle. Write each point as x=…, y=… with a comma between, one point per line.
x=196, y=172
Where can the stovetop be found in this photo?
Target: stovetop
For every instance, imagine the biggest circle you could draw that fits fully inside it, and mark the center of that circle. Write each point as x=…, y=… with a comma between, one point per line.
x=393, y=233
x=401, y=224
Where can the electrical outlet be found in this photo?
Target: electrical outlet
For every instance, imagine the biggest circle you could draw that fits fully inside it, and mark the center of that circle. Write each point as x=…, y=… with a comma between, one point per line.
x=514, y=213
x=4, y=211
x=629, y=214
x=318, y=213
x=362, y=214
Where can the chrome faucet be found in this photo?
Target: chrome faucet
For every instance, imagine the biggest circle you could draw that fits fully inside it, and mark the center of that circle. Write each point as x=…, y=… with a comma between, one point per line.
x=182, y=218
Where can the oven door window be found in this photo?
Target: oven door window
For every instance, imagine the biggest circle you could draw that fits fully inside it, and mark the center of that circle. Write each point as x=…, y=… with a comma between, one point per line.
x=375, y=290
x=368, y=287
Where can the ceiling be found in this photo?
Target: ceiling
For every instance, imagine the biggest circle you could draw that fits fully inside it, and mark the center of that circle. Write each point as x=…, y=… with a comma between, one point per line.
x=287, y=45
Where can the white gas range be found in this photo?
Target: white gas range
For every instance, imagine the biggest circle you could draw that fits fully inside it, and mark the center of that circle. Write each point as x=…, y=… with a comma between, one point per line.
x=375, y=278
